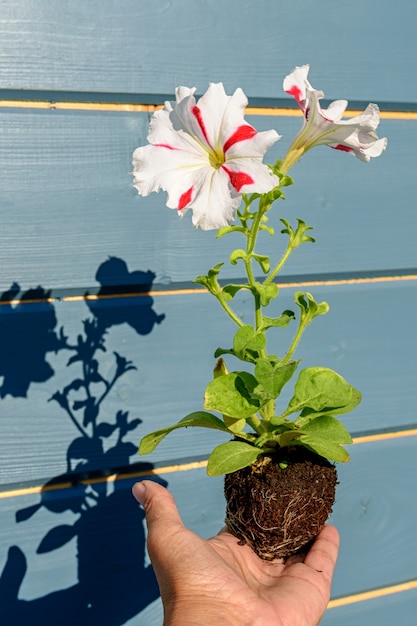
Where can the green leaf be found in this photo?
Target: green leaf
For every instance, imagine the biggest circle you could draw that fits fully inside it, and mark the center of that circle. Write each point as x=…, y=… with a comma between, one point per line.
x=199, y=418
x=269, y=229
x=273, y=195
x=231, y=456
x=264, y=262
x=285, y=181
x=234, y=425
x=237, y=394
x=210, y=280
x=320, y=388
x=266, y=292
x=297, y=236
x=278, y=420
x=219, y=351
x=329, y=428
x=247, y=338
x=281, y=322
x=327, y=449
x=309, y=307
x=308, y=414
x=229, y=229
x=289, y=437
x=236, y=255
x=229, y=291
x=273, y=376
x=323, y=436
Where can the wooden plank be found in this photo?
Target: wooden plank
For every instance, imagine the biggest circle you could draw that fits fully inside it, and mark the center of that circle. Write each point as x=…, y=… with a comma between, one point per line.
x=67, y=203
x=170, y=340
x=374, y=507
x=383, y=611
x=136, y=47
x=376, y=523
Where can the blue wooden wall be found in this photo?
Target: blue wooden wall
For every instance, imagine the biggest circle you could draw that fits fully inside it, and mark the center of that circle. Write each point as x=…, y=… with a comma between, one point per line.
x=96, y=290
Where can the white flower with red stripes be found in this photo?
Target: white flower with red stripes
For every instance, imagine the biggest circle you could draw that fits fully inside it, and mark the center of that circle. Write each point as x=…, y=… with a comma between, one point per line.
x=326, y=127
x=204, y=155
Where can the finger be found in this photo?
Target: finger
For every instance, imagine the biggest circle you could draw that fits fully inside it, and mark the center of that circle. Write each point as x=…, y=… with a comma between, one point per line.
x=323, y=554
x=158, y=504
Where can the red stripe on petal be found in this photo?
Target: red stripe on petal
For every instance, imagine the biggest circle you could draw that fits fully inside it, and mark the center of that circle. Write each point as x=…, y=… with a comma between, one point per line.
x=296, y=92
x=185, y=199
x=343, y=148
x=238, y=179
x=197, y=114
x=165, y=145
x=241, y=134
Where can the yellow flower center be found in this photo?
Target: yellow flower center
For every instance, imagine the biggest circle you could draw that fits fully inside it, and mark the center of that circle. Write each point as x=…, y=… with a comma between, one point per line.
x=216, y=158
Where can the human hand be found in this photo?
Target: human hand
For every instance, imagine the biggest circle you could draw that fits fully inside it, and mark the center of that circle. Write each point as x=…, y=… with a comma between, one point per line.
x=221, y=583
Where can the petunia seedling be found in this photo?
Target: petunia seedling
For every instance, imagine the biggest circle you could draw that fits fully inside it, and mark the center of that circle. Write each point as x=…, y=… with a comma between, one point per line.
x=209, y=159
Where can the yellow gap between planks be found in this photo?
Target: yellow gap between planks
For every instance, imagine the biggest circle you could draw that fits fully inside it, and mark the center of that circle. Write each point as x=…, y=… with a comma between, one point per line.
x=150, y=108
x=372, y=594
x=180, y=467
x=196, y=290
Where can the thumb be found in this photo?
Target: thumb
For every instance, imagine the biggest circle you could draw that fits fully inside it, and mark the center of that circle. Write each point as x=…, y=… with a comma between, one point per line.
x=159, y=505
x=163, y=522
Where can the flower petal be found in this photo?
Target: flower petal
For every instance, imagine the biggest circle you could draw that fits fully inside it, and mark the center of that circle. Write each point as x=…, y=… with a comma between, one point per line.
x=160, y=167
x=356, y=135
x=214, y=205
x=325, y=126
x=163, y=132
x=335, y=110
x=222, y=114
x=296, y=83
x=250, y=175
x=242, y=133
x=202, y=119
x=255, y=146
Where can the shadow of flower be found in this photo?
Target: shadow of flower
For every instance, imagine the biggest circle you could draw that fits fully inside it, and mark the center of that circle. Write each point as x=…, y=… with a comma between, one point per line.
x=26, y=335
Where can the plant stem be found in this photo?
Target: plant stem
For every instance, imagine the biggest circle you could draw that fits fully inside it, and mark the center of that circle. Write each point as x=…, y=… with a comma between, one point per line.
x=295, y=341
x=280, y=264
x=227, y=308
x=75, y=422
x=250, y=247
x=257, y=300
x=295, y=152
x=257, y=425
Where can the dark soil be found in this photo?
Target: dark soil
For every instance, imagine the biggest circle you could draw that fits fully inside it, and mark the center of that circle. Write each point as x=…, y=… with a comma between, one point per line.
x=278, y=512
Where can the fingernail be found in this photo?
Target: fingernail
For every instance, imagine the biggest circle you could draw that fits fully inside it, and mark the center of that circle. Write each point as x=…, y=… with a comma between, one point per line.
x=139, y=491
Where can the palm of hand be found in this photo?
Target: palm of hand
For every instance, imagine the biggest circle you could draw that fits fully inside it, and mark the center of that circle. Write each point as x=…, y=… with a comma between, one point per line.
x=294, y=593
x=225, y=574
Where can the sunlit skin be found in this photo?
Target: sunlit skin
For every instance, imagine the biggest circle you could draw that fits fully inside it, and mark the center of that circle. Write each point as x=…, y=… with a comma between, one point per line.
x=219, y=582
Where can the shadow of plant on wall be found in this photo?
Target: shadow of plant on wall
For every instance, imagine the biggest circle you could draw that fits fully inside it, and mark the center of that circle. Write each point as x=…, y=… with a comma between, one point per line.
x=114, y=582
x=27, y=334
